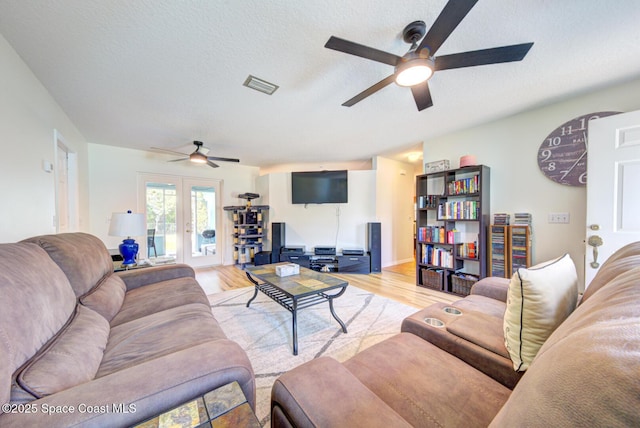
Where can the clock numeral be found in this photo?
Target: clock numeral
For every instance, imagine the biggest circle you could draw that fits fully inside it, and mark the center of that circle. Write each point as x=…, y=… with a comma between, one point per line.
x=552, y=166
x=555, y=141
x=567, y=130
x=583, y=178
x=546, y=154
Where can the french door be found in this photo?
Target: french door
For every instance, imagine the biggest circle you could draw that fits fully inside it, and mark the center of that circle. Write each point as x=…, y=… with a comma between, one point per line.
x=183, y=219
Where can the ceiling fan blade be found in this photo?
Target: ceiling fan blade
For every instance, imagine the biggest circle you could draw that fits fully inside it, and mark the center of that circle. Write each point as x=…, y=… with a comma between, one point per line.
x=158, y=149
x=370, y=91
x=452, y=14
x=483, y=57
x=222, y=159
x=212, y=165
x=178, y=160
x=422, y=95
x=362, y=51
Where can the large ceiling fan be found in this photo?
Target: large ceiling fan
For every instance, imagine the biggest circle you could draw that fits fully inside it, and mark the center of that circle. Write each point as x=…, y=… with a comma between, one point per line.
x=415, y=68
x=197, y=156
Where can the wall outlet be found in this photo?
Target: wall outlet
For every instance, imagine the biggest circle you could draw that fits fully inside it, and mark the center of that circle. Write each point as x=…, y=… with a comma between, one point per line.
x=558, y=218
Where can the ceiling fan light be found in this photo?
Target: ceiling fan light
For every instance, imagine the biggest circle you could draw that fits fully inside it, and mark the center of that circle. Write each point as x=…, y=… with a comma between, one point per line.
x=198, y=158
x=414, y=71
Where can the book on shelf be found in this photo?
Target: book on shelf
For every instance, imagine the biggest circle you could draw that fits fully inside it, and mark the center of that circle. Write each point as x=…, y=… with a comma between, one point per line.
x=428, y=201
x=459, y=210
x=464, y=186
x=437, y=256
x=467, y=250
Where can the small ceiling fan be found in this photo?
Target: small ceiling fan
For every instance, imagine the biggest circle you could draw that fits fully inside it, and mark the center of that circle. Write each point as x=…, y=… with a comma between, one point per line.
x=415, y=68
x=197, y=156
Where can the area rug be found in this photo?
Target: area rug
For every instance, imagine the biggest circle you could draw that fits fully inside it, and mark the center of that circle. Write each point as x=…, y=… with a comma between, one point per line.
x=264, y=331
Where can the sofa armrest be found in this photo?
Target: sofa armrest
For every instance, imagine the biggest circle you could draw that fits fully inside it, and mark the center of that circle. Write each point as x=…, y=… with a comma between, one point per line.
x=323, y=392
x=493, y=287
x=138, y=277
x=139, y=392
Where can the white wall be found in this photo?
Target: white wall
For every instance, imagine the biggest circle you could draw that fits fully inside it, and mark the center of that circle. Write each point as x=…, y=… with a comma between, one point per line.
x=113, y=182
x=510, y=146
x=339, y=225
x=395, y=190
x=28, y=117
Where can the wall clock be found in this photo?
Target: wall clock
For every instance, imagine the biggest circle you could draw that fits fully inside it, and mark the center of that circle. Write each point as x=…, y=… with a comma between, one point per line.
x=562, y=156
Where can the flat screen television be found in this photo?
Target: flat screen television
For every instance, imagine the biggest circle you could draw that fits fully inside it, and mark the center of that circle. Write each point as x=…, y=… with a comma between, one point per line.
x=319, y=187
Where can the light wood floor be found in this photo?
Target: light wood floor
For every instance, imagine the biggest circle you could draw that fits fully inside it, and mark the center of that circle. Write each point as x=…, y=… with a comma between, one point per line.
x=395, y=282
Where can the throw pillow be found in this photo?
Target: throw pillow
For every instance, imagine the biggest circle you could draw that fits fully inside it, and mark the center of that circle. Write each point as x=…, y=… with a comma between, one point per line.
x=71, y=359
x=540, y=298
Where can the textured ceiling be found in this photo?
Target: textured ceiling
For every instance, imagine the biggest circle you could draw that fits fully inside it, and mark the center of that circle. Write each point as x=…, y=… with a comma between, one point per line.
x=143, y=73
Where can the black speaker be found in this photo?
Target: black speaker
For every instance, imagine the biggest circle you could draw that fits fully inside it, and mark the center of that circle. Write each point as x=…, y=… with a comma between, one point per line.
x=262, y=258
x=374, y=246
x=277, y=241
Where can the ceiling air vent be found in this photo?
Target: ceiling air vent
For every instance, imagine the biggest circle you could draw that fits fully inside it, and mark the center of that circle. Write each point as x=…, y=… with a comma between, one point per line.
x=260, y=85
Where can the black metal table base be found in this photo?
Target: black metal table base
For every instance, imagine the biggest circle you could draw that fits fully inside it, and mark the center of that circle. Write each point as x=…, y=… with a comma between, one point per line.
x=293, y=303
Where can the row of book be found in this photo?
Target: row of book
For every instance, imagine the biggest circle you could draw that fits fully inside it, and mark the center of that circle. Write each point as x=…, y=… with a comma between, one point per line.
x=464, y=186
x=468, y=250
x=428, y=201
x=459, y=210
x=437, y=234
x=437, y=256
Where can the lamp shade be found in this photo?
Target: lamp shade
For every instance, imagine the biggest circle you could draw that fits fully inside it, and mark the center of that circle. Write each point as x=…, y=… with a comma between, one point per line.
x=414, y=70
x=127, y=224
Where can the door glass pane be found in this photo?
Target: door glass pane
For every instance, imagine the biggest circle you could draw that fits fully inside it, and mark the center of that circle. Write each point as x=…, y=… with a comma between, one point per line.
x=203, y=221
x=161, y=221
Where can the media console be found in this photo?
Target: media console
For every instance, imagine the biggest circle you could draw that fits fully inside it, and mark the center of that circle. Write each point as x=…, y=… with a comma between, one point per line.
x=339, y=263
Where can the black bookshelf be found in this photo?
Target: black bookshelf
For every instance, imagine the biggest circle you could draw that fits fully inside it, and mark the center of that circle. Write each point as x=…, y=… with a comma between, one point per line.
x=452, y=216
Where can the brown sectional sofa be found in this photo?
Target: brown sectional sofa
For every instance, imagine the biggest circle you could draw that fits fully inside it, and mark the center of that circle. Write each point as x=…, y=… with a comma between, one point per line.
x=474, y=332
x=81, y=345
x=587, y=373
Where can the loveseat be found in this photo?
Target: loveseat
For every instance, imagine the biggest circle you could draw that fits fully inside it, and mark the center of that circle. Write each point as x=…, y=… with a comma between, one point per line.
x=586, y=373
x=81, y=345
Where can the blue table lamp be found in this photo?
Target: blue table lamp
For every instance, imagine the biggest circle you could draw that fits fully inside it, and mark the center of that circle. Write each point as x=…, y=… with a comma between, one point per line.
x=128, y=224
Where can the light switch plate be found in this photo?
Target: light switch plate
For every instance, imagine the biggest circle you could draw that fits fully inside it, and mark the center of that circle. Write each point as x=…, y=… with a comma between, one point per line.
x=562, y=218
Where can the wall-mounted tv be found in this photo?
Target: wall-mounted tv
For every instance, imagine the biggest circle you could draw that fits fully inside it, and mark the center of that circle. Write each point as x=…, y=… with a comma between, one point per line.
x=319, y=187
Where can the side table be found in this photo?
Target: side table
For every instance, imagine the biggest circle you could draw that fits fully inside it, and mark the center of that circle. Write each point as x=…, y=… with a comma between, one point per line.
x=221, y=408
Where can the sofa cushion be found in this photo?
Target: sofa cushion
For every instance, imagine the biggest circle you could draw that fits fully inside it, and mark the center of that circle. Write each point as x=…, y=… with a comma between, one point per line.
x=481, y=329
x=71, y=359
x=586, y=373
x=82, y=257
x=478, y=303
x=36, y=301
x=152, y=298
x=540, y=298
x=107, y=298
x=418, y=380
x=158, y=334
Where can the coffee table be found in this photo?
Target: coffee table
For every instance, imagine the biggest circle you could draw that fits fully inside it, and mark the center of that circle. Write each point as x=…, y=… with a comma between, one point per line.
x=295, y=292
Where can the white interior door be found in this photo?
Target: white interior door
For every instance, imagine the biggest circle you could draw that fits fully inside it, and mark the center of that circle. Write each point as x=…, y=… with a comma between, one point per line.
x=613, y=199
x=66, y=190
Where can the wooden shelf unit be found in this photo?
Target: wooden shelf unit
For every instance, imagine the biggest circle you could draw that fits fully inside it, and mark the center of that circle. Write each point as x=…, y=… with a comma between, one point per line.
x=452, y=213
x=499, y=251
x=520, y=246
